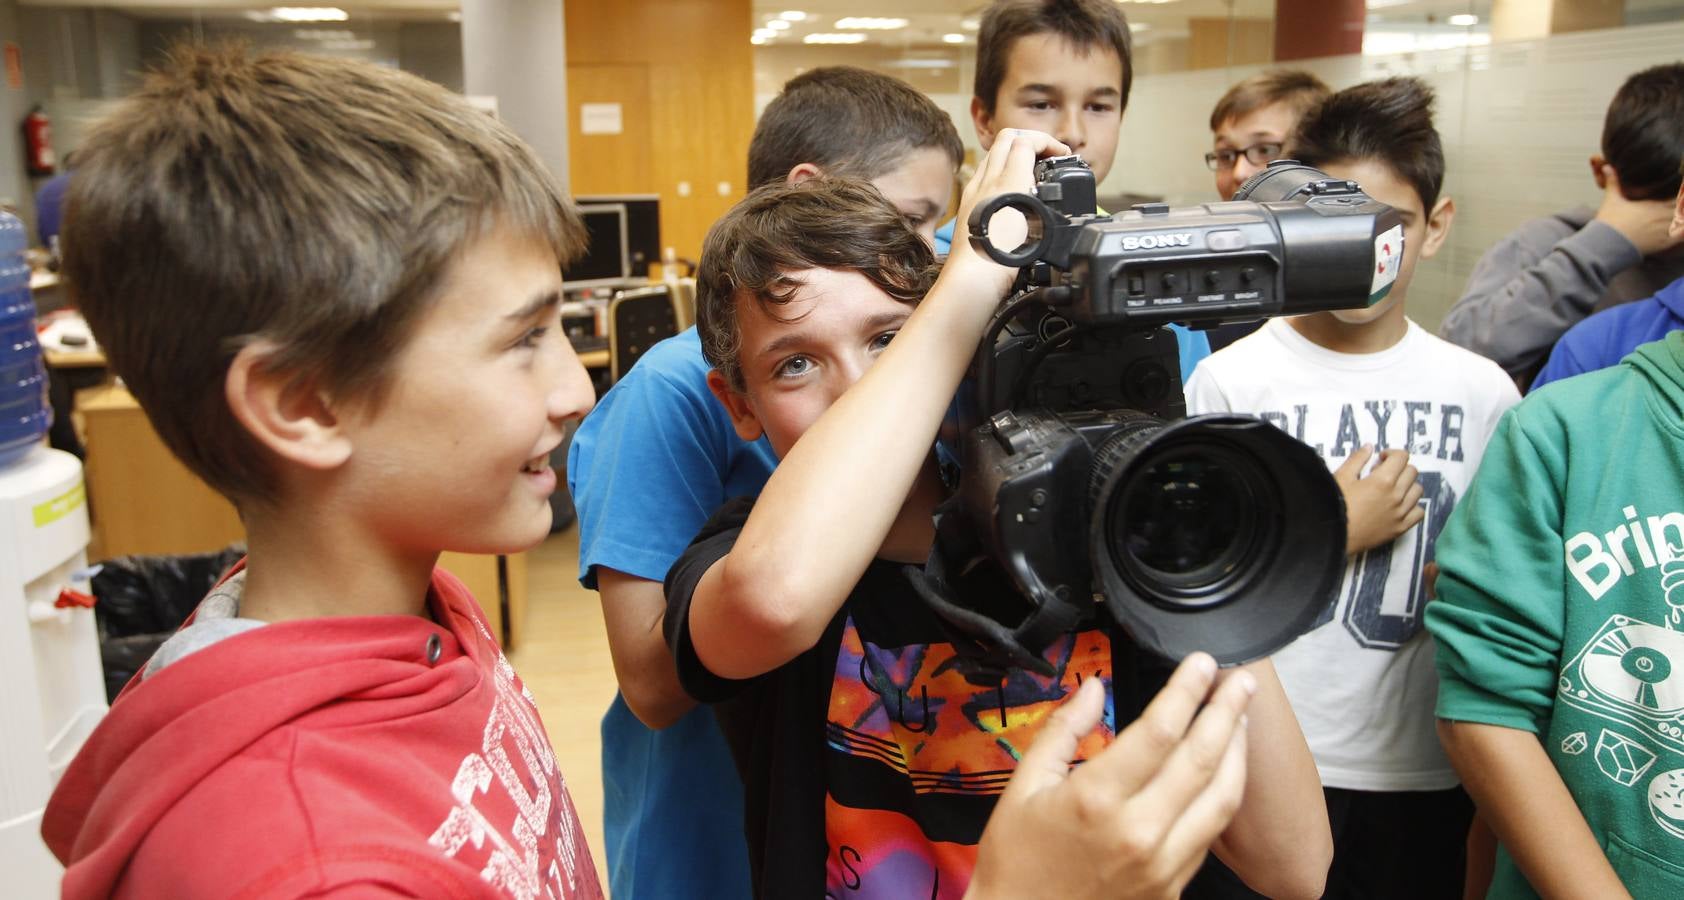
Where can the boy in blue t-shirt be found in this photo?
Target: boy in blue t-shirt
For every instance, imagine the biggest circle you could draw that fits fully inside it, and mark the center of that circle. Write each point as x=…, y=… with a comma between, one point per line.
x=658, y=456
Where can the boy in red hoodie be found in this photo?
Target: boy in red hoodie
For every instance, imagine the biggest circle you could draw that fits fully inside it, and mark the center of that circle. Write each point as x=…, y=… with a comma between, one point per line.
x=334, y=288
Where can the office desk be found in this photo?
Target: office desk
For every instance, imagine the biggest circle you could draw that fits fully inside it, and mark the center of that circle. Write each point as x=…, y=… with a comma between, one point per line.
x=73, y=359
x=144, y=501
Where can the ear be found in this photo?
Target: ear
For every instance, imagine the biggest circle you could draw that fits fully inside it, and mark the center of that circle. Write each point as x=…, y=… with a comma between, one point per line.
x=1677, y=229
x=290, y=418
x=984, y=122
x=1438, y=226
x=1597, y=161
x=743, y=419
x=803, y=172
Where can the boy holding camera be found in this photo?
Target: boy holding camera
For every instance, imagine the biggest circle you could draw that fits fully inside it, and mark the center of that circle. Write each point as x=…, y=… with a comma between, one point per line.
x=870, y=763
x=1374, y=393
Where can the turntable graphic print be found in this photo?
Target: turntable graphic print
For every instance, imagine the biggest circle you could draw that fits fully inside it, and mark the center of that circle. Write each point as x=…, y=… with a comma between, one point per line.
x=1633, y=673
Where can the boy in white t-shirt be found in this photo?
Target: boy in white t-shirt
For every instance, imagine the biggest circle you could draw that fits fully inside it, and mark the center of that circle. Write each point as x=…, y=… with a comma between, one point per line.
x=1371, y=389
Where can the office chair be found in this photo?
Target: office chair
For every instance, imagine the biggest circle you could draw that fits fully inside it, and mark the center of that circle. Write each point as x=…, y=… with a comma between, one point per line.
x=637, y=319
x=684, y=301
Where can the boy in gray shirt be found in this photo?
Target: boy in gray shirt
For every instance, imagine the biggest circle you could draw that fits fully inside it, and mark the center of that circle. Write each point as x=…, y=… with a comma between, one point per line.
x=1553, y=271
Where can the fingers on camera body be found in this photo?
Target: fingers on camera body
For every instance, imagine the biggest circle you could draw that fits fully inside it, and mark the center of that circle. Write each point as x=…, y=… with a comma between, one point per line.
x=1173, y=779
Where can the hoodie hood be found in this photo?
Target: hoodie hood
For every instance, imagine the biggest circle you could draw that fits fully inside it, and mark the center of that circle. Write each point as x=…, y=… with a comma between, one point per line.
x=1661, y=364
x=1672, y=297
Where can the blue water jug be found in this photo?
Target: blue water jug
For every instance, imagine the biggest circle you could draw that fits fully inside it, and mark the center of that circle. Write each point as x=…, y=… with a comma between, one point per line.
x=24, y=413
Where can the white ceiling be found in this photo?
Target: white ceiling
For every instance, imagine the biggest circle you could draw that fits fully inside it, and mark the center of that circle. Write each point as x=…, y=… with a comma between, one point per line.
x=385, y=10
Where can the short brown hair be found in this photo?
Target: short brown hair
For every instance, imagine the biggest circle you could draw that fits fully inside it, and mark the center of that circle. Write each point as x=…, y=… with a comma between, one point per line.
x=1298, y=89
x=1098, y=24
x=822, y=223
x=309, y=202
x=1643, y=133
x=850, y=123
x=1390, y=122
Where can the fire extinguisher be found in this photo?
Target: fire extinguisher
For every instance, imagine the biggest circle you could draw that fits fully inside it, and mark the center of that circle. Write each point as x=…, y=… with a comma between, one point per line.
x=38, y=140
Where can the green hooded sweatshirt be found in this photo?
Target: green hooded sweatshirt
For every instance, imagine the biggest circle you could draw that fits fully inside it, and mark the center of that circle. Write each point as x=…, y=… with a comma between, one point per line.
x=1560, y=605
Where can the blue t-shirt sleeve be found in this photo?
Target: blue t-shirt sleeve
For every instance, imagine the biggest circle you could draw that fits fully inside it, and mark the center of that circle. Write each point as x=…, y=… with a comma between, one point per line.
x=650, y=464
x=1194, y=346
x=944, y=238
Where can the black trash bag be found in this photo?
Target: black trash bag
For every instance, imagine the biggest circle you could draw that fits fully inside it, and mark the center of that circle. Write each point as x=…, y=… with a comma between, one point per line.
x=142, y=600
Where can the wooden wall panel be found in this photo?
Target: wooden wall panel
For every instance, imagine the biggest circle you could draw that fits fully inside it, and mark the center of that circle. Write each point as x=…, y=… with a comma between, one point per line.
x=1221, y=43
x=700, y=76
x=611, y=163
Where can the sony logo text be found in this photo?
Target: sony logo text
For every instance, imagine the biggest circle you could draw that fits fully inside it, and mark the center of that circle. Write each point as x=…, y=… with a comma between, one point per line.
x=1154, y=241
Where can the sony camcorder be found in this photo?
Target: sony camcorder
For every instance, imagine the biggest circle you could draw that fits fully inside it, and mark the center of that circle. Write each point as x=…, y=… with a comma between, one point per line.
x=1082, y=479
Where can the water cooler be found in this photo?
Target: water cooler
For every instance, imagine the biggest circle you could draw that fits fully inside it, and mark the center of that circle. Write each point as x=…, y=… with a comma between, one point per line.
x=52, y=692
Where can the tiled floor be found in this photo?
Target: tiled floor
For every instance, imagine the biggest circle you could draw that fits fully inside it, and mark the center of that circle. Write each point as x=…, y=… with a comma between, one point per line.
x=562, y=655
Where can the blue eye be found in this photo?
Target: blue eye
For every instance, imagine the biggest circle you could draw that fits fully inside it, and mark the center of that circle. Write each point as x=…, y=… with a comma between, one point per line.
x=795, y=367
x=882, y=340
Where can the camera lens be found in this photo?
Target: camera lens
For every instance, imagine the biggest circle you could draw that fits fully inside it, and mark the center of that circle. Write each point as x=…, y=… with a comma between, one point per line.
x=1217, y=533
x=1185, y=521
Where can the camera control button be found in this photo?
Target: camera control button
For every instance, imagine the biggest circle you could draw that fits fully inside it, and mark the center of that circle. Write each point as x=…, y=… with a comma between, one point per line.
x=1153, y=209
x=1225, y=240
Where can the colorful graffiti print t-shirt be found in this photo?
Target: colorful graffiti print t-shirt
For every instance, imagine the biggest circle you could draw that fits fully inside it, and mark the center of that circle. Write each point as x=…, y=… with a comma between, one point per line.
x=870, y=764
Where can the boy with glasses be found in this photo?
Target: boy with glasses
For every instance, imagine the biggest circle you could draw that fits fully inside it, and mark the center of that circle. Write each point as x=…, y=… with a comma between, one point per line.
x=1253, y=123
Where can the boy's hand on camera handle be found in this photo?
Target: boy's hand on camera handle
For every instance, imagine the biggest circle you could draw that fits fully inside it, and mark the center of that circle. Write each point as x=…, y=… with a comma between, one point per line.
x=1382, y=505
x=1645, y=223
x=1134, y=821
x=1008, y=168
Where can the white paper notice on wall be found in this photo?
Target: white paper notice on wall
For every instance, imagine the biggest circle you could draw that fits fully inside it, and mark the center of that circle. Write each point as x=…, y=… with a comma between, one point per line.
x=600, y=118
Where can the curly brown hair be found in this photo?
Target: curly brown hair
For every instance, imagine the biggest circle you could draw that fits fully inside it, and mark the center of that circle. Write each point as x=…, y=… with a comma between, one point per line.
x=780, y=229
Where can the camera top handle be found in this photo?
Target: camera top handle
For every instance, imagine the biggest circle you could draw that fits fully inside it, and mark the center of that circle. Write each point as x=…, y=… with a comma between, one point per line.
x=1052, y=234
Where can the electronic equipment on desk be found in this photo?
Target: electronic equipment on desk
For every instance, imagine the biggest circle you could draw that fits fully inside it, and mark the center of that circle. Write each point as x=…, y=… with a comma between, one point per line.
x=585, y=322
x=642, y=226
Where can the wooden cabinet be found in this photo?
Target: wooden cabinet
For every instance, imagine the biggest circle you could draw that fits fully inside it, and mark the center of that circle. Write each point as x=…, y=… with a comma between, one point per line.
x=141, y=498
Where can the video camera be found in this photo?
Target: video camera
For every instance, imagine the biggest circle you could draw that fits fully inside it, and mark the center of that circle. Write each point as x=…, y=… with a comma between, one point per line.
x=1082, y=480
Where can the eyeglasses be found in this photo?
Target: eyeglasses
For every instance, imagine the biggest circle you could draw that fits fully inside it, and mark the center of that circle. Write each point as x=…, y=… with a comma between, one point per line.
x=1257, y=154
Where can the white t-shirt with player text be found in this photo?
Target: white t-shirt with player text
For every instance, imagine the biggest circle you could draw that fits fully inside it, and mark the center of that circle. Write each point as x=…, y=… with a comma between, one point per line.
x=1362, y=683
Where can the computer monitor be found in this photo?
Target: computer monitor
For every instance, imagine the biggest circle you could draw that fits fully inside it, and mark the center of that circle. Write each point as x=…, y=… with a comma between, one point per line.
x=605, y=262
x=643, y=227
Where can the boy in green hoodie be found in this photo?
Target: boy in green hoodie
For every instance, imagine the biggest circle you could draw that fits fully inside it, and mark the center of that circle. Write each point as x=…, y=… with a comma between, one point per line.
x=1560, y=629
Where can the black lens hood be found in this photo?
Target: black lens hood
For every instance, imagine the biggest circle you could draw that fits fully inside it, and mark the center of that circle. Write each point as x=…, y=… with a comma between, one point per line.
x=1290, y=561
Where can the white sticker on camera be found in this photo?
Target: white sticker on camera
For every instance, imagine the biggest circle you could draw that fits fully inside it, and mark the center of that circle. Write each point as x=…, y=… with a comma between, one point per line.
x=1388, y=258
